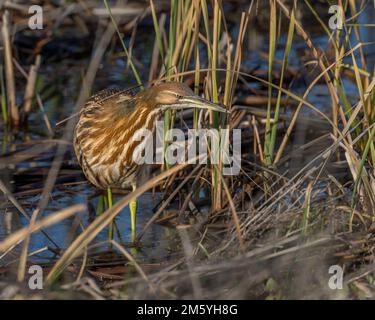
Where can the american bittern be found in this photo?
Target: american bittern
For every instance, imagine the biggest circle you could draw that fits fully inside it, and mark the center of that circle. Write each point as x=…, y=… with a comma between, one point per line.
x=104, y=137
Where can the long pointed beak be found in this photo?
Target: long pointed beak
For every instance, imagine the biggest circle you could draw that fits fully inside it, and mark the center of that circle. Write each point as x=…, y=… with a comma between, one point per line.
x=196, y=102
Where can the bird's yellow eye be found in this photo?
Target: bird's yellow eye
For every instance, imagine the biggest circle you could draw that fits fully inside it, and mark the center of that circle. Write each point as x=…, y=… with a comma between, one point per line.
x=178, y=96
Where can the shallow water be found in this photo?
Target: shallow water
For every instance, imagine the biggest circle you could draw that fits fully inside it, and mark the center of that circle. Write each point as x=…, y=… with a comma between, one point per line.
x=154, y=243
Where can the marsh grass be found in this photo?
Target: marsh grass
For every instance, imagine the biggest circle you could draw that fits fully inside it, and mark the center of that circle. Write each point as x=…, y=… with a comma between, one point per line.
x=3, y=97
x=272, y=214
x=179, y=57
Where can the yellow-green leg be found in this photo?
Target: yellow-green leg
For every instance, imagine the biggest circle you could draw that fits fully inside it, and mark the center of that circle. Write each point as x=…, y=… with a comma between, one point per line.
x=133, y=215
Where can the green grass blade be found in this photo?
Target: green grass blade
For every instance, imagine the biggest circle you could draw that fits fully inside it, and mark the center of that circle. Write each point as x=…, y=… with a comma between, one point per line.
x=284, y=65
x=271, y=55
x=132, y=66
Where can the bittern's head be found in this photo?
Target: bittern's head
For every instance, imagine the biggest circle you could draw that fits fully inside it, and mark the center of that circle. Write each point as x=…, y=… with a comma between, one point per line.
x=176, y=95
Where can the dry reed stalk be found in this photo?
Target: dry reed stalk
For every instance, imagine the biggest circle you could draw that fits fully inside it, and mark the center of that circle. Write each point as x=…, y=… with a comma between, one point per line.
x=261, y=101
x=9, y=71
x=232, y=207
x=31, y=78
x=25, y=248
x=20, y=235
x=30, y=88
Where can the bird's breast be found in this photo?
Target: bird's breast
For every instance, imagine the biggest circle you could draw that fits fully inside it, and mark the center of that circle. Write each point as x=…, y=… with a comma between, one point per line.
x=105, y=148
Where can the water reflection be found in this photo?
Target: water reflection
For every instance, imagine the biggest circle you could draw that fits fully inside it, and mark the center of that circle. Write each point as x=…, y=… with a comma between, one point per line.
x=154, y=244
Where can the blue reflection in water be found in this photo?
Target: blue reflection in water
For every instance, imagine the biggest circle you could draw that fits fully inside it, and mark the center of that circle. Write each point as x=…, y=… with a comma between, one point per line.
x=154, y=244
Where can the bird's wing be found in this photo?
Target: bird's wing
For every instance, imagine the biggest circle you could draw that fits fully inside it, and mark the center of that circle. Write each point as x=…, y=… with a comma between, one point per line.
x=103, y=95
x=116, y=94
x=110, y=97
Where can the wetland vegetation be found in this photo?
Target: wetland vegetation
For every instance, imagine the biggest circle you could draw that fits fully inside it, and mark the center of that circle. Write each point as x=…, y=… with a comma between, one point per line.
x=298, y=84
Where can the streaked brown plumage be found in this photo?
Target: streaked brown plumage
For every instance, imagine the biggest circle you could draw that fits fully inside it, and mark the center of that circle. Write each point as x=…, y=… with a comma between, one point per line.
x=104, y=135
